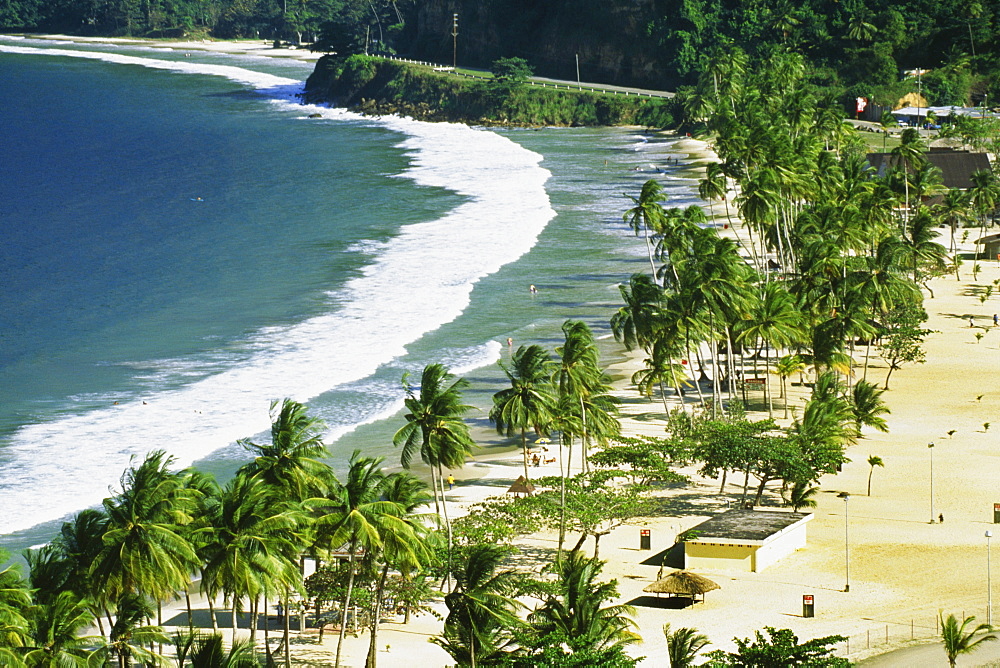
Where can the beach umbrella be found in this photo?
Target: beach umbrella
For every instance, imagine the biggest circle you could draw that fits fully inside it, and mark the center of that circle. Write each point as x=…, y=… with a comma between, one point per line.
x=543, y=440
x=682, y=583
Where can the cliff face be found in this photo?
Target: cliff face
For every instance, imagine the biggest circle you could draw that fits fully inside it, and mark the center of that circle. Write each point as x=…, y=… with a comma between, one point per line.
x=610, y=37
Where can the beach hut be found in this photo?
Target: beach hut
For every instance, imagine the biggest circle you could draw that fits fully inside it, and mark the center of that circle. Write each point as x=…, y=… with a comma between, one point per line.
x=521, y=486
x=990, y=246
x=683, y=584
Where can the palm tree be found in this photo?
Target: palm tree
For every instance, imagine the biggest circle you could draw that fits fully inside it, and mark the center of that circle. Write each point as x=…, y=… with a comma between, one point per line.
x=577, y=375
x=683, y=646
x=55, y=633
x=357, y=515
x=775, y=320
x=290, y=463
x=208, y=651
x=985, y=193
x=250, y=546
x=786, y=367
x=129, y=636
x=15, y=600
x=481, y=609
x=636, y=323
x=647, y=215
x=434, y=425
x=528, y=401
x=801, y=494
x=405, y=546
x=143, y=552
x=574, y=611
x=868, y=406
x=955, y=638
x=873, y=461
x=908, y=155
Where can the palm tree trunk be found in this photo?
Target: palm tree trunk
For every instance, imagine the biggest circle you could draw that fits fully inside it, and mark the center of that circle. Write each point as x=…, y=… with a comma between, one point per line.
x=211, y=612
x=352, y=546
x=285, y=635
x=234, y=616
x=767, y=380
x=254, y=618
x=447, y=524
x=524, y=450
x=372, y=658
x=187, y=600
x=562, y=498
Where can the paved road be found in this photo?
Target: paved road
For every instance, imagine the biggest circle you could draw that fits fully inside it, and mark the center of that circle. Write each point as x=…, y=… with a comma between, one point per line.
x=932, y=655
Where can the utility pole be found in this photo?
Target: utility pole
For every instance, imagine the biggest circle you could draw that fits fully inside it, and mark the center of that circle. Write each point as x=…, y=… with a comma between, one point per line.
x=454, y=41
x=578, y=84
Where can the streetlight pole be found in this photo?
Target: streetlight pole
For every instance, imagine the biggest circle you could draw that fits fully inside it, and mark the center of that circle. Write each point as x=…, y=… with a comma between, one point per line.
x=847, y=545
x=454, y=41
x=989, y=582
x=930, y=446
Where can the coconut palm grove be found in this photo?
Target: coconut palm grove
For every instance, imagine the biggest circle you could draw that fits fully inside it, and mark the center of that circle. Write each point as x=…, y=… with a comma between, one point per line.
x=802, y=264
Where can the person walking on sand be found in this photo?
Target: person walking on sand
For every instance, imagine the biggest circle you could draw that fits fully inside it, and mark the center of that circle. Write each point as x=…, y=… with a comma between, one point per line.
x=995, y=322
x=971, y=322
x=451, y=481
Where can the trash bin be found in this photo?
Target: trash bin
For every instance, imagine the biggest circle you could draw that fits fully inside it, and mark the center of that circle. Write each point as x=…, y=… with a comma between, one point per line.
x=644, y=542
x=996, y=513
x=808, y=607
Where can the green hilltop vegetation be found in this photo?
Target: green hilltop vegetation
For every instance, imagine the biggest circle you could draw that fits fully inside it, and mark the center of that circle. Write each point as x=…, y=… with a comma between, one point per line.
x=376, y=85
x=850, y=47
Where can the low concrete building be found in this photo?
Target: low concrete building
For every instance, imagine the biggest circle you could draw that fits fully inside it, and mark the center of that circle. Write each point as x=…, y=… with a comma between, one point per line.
x=745, y=540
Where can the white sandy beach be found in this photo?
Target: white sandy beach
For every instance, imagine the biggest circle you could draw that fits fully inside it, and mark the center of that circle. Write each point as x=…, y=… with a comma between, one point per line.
x=903, y=568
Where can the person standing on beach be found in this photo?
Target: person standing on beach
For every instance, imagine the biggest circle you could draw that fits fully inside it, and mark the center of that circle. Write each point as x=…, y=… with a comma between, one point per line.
x=971, y=322
x=451, y=481
x=995, y=323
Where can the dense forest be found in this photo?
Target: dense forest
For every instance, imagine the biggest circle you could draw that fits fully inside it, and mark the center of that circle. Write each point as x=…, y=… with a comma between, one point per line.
x=852, y=47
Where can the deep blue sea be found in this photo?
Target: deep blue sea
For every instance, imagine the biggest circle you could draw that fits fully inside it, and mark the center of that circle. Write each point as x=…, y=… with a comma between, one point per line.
x=181, y=244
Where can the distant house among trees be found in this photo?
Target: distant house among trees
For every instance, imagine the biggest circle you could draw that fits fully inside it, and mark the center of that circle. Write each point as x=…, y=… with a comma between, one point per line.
x=956, y=166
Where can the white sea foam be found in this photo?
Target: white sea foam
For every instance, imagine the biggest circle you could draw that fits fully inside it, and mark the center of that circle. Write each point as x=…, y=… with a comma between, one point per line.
x=418, y=281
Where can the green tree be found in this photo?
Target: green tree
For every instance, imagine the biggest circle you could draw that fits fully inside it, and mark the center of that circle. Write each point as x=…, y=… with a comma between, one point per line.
x=647, y=215
x=873, y=461
x=405, y=546
x=143, y=552
x=356, y=514
x=481, y=610
x=577, y=612
x=868, y=406
x=957, y=640
x=290, y=464
x=528, y=402
x=780, y=649
x=250, y=546
x=512, y=70
x=683, y=646
x=56, y=627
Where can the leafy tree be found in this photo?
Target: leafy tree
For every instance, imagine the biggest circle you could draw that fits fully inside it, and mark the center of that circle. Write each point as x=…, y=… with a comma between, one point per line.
x=957, y=640
x=901, y=338
x=56, y=627
x=512, y=70
x=780, y=649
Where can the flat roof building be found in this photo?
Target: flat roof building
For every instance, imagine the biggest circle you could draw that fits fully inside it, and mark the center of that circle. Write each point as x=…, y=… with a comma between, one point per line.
x=745, y=540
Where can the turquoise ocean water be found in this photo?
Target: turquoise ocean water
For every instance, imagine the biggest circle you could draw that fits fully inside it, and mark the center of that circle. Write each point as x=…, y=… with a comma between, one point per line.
x=180, y=244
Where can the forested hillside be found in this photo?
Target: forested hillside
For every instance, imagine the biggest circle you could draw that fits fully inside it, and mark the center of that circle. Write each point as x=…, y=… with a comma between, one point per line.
x=853, y=47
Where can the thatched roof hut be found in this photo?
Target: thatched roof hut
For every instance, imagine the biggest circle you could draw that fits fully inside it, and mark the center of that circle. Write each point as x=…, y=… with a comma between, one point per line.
x=521, y=486
x=682, y=583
